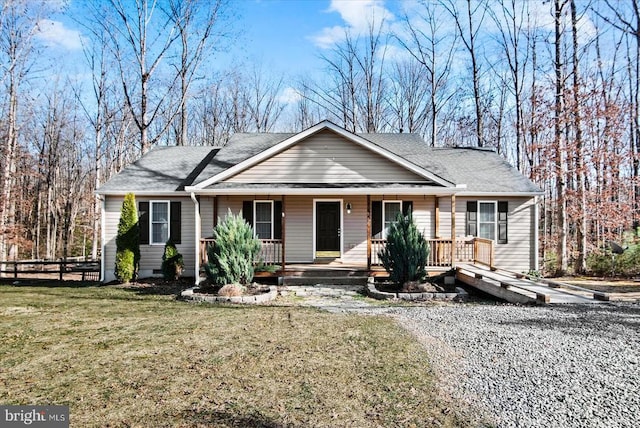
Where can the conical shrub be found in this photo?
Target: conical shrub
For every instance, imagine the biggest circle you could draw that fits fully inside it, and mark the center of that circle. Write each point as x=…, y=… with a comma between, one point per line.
x=405, y=254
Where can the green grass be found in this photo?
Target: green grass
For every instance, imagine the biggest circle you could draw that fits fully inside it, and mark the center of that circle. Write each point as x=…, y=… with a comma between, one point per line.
x=121, y=357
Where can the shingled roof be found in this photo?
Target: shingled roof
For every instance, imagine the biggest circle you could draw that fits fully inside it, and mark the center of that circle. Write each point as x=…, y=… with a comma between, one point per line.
x=171, y=169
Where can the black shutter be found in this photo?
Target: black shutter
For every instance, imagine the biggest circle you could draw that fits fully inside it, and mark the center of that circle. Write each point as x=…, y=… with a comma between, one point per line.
x=277, y=220
x=175, y=228
x=407, y=207
x=376, y=219
x=472, y=218
x=143, y=222
x=247, y=212
x=503, y=209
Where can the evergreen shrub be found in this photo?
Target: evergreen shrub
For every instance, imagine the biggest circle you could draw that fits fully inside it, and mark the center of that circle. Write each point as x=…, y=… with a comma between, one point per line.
x=232, y=255
x=405, y=254
x=172, y=262
x=127, y=241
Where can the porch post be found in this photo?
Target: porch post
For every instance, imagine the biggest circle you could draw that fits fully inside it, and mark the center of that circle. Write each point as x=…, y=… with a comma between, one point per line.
x=368, y=232
x=437, y=218
x=453, y=230
x=284, y=217
x=215, y=210
x=196, y=204
x=536, y=243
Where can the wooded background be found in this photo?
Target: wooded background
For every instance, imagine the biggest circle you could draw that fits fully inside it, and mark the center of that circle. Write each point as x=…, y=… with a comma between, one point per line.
x=553, y=86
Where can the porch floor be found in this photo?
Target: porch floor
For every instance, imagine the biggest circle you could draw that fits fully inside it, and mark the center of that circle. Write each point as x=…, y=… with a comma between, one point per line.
x=333, y=272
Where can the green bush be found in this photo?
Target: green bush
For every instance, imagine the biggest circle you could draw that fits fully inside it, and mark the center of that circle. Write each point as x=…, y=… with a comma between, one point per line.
x=605, y=263
x=405, y=254
x=125, y=265
x=233, y=252
x=127, y=241
x=172, y=262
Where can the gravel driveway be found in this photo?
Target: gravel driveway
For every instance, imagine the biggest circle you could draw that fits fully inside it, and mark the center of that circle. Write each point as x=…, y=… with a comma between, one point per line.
x=553, y=366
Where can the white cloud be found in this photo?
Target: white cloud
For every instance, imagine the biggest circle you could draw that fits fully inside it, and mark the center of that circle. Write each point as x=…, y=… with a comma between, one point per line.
x=54, y=33
x=289, y=96
x=357, y=16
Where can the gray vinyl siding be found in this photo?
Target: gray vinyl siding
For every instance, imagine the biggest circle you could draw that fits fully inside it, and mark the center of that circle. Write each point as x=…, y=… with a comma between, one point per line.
x=517, y=254
x=355, y=231
x=150, y=255
x=299, y=223
x=326, y=158
x=299, y=229
x=423, y=211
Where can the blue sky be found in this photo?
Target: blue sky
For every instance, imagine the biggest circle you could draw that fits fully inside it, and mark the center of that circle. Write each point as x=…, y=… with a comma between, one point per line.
x=285, y=36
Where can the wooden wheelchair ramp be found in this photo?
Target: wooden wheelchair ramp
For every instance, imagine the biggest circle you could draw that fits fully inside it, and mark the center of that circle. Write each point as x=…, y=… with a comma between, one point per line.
x=519, y=288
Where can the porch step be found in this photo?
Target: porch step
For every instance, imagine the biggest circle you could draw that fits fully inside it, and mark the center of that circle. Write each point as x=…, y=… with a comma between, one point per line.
x=325, y=280
x=326, y=276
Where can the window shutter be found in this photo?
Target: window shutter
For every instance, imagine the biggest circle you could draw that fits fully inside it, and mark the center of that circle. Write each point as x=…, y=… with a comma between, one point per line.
x=277, y=219
x=503, y=209
x=247, y=212
x=407, y=207
x=472, y=218
x=376, y=219
x=175, y=228
x=143, y=222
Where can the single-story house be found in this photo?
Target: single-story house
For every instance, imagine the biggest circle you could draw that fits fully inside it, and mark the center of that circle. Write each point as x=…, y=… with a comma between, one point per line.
x=326, y=194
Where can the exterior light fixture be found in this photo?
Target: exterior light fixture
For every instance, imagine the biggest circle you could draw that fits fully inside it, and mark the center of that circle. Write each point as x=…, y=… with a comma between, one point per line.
x=348, y=207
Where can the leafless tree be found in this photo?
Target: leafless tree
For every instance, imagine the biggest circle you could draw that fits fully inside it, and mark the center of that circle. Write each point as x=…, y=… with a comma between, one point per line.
x=428, y=40
x=199, y=25
x=469, y=24
x=141, y=33
x=18, y=21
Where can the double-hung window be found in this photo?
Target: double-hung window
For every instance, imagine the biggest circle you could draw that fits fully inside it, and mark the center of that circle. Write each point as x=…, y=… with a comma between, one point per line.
x=390, y=212
x=263, y=219
x=488, y=219
x=159, y=222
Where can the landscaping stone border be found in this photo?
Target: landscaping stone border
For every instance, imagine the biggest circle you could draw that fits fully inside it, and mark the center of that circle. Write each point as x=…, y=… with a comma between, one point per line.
x=193, y=295
x=459, y=296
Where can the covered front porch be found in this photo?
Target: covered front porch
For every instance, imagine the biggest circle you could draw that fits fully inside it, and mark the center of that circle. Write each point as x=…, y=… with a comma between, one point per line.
x=443, y=253
x=297, y=227
x=333, y=231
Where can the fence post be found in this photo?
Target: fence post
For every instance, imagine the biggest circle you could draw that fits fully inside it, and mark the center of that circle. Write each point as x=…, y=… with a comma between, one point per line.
x=15, y=269
x=61, y=268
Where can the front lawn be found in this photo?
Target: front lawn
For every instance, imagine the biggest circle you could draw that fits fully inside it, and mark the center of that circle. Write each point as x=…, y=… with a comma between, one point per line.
x=122, y=357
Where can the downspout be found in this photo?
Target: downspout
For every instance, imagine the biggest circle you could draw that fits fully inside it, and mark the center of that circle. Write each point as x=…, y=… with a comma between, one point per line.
x=103, y=246
x=453, y=230
x=197, y=237
x=536, y=244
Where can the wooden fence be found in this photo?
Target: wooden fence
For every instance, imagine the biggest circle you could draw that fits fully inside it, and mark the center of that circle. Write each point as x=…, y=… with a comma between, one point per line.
x=62, y=270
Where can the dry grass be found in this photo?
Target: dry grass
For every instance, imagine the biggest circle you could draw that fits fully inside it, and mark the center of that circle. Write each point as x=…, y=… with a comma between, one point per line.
x=618, y=289
x=125, y=357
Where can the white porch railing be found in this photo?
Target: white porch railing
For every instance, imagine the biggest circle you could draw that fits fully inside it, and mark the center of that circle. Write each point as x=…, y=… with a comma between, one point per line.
x=475, y=250
x=270, y=251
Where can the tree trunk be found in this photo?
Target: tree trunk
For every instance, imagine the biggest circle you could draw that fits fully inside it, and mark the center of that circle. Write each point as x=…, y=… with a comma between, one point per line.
x=561, y=226
x=581, y=230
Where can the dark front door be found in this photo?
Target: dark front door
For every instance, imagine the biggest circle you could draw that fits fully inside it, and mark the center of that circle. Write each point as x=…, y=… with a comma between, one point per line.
x=327, y=229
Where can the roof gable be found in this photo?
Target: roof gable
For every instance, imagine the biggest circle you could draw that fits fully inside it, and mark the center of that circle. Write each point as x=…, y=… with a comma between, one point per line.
x=325, y=153
x=326, y=157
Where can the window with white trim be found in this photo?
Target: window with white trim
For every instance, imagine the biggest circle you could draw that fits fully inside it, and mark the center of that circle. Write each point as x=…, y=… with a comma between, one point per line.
x=159, y=222
x=390, y=211
x=487, y=220
x=263, y=219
